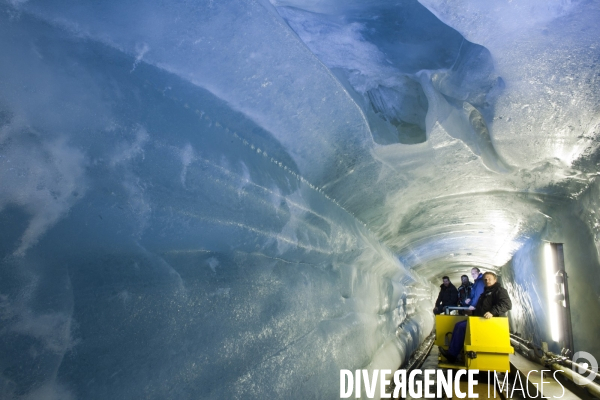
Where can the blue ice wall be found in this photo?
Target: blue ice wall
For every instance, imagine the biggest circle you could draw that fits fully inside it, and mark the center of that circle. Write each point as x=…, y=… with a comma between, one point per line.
x=239, y=198
x=525, y=279
x=158, y=243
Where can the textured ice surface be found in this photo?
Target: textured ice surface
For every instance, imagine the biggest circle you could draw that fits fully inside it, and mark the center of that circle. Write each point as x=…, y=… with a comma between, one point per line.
x=158, y=242
x=239, y=199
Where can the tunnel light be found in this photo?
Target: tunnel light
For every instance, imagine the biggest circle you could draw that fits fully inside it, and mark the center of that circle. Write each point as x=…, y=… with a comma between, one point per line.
x=551, y=290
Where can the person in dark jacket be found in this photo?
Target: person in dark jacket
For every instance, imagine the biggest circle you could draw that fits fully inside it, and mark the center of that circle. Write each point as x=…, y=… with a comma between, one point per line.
x=448, y=296
x=464, y=291
x=493, y=302
x=476, y=289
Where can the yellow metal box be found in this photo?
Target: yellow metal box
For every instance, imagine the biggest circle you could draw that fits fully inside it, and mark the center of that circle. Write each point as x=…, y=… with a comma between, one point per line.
x=487, y=342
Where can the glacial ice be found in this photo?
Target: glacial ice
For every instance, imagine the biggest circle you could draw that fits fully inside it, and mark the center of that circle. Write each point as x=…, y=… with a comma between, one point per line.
x=238, y=199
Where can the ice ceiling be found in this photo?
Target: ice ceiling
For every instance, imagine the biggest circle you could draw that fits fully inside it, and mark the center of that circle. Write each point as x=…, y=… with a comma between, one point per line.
x=202, y=199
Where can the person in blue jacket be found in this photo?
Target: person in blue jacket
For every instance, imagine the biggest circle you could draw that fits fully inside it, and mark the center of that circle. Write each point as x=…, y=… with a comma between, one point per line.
x=494, y=302
x=476, y=289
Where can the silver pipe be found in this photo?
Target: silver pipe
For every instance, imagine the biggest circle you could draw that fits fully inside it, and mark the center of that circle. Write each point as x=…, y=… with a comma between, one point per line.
x=562, y=359
x=520, y=339
x=556, y=363
x=572, y=364
x=539, y=353
x=592, y=387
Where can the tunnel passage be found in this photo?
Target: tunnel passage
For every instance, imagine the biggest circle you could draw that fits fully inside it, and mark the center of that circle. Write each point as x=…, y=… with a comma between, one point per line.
x=221, y=206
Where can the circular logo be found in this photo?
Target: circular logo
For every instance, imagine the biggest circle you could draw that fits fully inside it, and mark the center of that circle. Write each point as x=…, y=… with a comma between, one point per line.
x=585, y=362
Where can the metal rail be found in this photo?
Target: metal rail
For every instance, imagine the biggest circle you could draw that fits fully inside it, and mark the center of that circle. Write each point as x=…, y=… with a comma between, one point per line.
x=417, y=358
x=447, y=309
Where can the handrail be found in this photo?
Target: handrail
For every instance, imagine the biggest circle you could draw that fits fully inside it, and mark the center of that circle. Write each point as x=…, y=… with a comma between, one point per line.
x=447, y=308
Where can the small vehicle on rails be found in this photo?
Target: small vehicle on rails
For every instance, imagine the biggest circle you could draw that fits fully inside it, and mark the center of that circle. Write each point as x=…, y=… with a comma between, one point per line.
x=487, y=341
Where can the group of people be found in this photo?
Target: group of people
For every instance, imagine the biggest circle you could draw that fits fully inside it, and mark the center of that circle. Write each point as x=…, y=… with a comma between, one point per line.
x=484, y=298
x=467, y=295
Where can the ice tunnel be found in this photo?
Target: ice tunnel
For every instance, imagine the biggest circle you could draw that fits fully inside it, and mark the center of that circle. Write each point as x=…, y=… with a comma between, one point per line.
x=237, y=199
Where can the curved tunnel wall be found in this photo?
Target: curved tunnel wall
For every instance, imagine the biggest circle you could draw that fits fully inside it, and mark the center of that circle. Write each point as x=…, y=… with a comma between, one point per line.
x=190, y=211
x=157, y=242
x=525, y=278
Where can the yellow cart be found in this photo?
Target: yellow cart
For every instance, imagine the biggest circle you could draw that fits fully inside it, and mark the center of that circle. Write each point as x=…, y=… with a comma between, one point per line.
x=487, y=342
